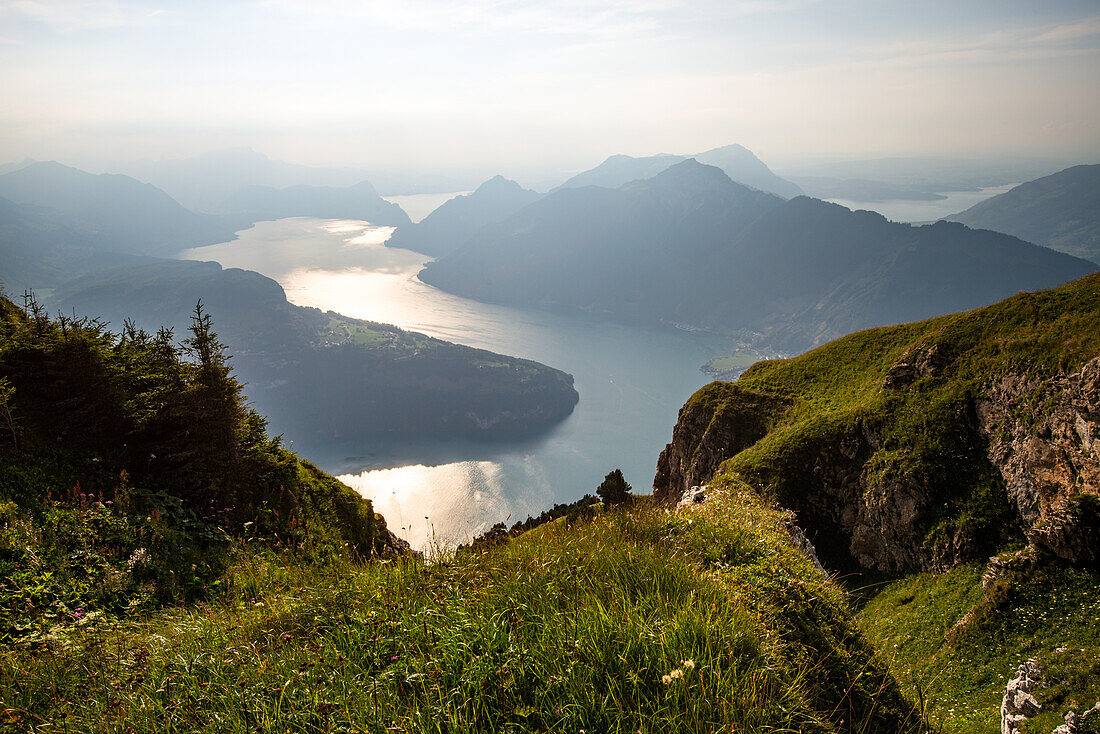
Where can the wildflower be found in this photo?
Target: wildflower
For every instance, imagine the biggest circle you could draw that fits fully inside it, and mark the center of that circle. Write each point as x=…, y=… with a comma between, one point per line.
x=138, y=559
x=286, y=637
x=676, y=674
x=688, y=664
x=666, y=679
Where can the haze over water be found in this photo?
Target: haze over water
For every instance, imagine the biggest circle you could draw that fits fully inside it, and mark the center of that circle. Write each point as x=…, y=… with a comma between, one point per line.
x=631, y=381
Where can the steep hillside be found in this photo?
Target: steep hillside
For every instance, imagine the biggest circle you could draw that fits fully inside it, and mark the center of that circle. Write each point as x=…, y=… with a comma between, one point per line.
x=325, y=379
x=113, y=213
x=359, y=201
x=708, y=619
x=691, y=247
x=735, y=161
x=457, y=221
x=1061, y=211
x=924, y=448
x=129, y=463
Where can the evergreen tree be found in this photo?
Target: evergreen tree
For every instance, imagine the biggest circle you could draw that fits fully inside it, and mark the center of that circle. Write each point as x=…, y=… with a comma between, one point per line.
x=614, y=489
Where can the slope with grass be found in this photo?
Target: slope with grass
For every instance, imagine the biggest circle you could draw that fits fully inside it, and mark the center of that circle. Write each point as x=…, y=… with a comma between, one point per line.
x=917, y=452
x=636, y=620
x=129, y=462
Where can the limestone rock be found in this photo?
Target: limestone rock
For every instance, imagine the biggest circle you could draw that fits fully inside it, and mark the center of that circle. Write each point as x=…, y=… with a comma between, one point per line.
x=922, y=360
x=1018, y=704
x=1041, y=434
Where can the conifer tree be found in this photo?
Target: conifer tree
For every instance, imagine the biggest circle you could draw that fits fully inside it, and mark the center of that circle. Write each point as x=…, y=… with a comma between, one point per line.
x=614, y=489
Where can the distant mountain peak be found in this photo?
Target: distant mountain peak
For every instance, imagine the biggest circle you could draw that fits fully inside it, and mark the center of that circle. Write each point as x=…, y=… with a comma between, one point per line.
x=498, y=184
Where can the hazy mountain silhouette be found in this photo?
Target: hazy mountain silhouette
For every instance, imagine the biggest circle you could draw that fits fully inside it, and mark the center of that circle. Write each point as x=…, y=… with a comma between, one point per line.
x=112, y=212
x=359, y=201
x=204, y=181
x=1061, y=210
x=37, y=250
x=737, y=162
x=692, y=247
x=454, y=222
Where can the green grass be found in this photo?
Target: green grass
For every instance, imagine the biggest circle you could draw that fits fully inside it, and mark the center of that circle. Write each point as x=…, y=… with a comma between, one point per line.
x=730, y=363
x=340, y=330
x=565, y=628
x=829, y=407
x=1052, y=613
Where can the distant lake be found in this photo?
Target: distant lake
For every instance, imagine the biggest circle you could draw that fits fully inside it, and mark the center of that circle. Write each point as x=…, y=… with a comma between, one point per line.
x=418, y=206
x=632, y=382
x=926, y=211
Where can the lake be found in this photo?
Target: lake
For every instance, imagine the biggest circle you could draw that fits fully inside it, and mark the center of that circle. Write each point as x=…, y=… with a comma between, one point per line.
x=926, y=211
x=632, y=382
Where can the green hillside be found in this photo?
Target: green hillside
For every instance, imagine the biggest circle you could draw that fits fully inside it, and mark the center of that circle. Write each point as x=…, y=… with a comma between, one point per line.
x=637, y=620
x=131, y=470
x=913, y=454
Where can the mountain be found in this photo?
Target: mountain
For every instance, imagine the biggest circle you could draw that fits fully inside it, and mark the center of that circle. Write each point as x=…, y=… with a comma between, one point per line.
x=203, y=181
x=629, y=252
x=949, y=469
x=737, y=162
x=456, y=221
x=359, y=201
x=38, y=250
x=693, y=248
x=1061, y=211
x=327, y=380
x=112, y=212
x=745, y=168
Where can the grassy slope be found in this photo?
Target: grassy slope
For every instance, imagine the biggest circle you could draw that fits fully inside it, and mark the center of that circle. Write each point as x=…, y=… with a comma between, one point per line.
x=566, y=628
x=824, y=393
x=1054, y=615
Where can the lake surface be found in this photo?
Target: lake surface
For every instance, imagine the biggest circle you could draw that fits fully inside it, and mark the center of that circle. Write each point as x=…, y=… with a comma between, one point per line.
x=632, y=382
x=418, y=206
x=926, y=211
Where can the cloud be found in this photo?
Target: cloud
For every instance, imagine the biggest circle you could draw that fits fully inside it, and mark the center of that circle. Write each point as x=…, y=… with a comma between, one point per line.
x=1070, y=32
x=591, y=18
x=1016, y=44
x=77, y=15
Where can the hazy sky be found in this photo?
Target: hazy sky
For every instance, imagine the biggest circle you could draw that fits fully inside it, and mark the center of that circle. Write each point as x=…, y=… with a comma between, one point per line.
x=427, y=84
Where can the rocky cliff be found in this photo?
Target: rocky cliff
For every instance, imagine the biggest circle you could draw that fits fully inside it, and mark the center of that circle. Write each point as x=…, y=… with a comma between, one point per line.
x=920, y=446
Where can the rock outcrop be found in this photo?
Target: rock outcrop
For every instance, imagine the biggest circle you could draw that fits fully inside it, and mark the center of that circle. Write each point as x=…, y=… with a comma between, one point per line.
x=718, y=422
x=1043, y=438
x=1018, y=704
x=863, y=504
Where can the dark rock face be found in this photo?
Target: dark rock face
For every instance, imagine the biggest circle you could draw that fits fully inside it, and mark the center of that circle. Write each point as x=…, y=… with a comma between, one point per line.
x=719, y=422
x=921, y=361
x=1042, y=436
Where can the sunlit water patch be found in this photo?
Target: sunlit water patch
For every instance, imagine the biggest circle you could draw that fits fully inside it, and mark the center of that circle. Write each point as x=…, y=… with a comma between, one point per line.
x=418, y=206
x=631, y=381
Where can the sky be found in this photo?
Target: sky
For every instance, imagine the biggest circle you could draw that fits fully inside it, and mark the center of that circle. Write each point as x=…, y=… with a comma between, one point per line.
x=427, y=85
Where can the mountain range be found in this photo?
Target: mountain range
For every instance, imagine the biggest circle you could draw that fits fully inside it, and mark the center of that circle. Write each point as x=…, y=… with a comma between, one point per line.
x=736, y=161
x=456, y=221
x=1061, y=210
x=692, y=247
x=358, y=201
x=111, y=212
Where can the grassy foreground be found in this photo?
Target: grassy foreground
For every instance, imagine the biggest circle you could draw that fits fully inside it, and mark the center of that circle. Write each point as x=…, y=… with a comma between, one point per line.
x=641, y=619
